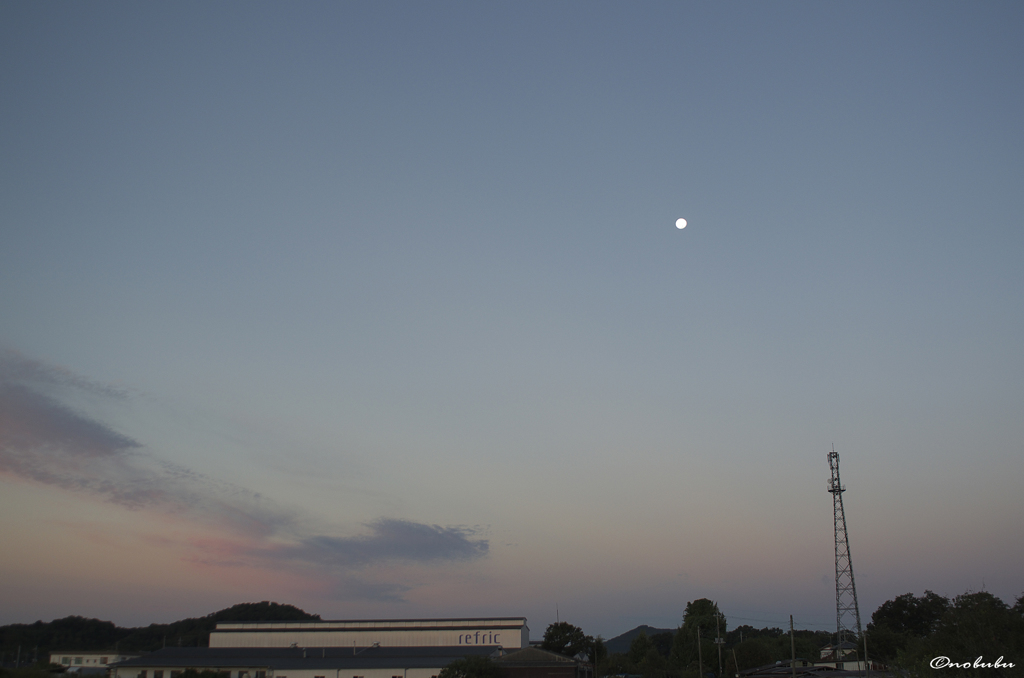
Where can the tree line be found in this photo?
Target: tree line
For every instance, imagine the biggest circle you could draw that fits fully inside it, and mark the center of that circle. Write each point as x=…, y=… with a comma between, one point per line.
x=910, y=632
x=907, y=633
x=691, y=651
x=34, y=642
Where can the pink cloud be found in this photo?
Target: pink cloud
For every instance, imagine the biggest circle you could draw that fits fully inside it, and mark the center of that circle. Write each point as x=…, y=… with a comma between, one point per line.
x=42, y=440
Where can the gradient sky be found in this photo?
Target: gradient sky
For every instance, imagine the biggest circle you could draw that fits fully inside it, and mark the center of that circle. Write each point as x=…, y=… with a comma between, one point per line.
x=379, y=308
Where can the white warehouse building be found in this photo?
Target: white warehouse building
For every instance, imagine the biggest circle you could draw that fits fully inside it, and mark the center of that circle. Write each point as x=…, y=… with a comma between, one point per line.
x=506, y=632
x=389, y=648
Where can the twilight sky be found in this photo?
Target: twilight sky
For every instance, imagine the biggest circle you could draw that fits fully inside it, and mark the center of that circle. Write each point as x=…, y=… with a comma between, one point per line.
x=379, y=309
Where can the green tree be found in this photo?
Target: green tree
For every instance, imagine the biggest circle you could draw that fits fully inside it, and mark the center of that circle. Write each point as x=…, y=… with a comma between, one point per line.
x=616, y=664
x=564, y=638
x=471, y=667
x=662, y=642
x=701, y=616
x=639, y=648
x=911, y=615
x=898, y=621
x=653, y=665
x=910, y=631
x=27, y=672
x=597, y=651
x=92, y=634
x=196, y=632
x=70, y=632
x=978, y=624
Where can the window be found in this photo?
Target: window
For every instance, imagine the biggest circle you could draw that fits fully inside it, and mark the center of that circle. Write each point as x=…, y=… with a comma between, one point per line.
x=78, y=660
x=66, y=661
x=263, y=674
x=103, y=660
x=158, y=674
x=174, y=674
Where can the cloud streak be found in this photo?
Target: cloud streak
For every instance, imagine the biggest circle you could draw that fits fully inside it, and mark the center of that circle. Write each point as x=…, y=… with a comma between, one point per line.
x=16, y=368
x=388, y=540
x=43, y=440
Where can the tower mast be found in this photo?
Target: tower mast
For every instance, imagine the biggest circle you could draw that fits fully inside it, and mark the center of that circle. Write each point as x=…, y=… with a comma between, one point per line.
x=847, y=612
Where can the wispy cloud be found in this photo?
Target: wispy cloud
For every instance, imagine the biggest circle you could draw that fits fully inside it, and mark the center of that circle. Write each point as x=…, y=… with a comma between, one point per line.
x=394, y=540
x=43, y=440
x=15, y=367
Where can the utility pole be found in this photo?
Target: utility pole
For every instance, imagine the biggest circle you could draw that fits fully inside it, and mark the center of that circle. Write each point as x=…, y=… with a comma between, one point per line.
x=792, y=648
x=699, y=655
x=867, y=662
x=718, y=641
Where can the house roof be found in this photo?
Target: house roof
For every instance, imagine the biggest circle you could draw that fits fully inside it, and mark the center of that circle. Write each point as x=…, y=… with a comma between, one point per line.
x=534, y=656
x=782, y=669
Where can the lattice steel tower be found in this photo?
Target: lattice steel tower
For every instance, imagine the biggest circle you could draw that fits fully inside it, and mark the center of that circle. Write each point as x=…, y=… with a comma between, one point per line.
x=847, y=612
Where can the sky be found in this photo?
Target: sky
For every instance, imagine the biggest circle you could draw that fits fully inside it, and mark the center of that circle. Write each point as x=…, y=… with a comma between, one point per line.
x=380, y=309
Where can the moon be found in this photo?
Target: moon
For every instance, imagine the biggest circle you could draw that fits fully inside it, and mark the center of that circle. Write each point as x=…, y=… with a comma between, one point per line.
x=680, y=223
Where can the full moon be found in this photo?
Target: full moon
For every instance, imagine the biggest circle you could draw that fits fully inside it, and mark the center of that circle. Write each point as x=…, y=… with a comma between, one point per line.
x=680, y=223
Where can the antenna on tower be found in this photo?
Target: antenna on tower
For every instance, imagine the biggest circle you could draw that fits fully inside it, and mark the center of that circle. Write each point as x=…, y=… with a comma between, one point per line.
x=848, y=628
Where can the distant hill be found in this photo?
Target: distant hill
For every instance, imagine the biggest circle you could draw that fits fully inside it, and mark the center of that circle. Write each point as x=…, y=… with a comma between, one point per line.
x=78, y=633
x=622, y=642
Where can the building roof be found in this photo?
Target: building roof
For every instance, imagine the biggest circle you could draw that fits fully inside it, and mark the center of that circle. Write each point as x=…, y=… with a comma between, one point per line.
x=534, y=656
x=91, y=653
x=782, y=669
x=291, y=658
x=354, y=624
